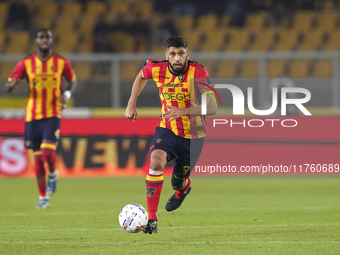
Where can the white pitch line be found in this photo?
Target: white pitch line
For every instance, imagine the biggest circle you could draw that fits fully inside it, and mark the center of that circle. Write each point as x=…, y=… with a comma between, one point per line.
x=175, y=227
x=194, y=209
x=184, y=243
x=45, y=212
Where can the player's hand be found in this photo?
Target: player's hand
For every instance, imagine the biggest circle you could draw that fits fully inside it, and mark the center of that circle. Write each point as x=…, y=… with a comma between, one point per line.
x=131, y=112
x=9, y=86
x=63, y=102
x=172, y=113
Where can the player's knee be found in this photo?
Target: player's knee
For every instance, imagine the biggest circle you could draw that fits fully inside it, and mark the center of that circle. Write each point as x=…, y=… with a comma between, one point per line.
x=157, y=165
x=158, y=161
x=176, y=183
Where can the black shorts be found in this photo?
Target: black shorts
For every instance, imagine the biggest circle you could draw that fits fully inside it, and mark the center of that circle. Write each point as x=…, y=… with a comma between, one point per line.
x=38, y=130
x=185, y=152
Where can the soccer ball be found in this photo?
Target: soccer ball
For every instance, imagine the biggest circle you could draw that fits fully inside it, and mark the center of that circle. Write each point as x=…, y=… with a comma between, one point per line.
x=133, y=217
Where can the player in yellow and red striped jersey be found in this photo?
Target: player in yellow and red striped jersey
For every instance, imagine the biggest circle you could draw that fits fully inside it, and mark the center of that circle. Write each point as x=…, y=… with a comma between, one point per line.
x=181, y=130
x=44, y=71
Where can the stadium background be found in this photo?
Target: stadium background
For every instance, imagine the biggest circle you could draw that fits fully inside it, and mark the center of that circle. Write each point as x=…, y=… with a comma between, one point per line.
x=246, y=43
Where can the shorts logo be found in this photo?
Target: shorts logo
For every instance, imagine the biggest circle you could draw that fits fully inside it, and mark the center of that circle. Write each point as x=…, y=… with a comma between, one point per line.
x=57, y=133
x=150, y=192
x=28, y=143
x=159, y=140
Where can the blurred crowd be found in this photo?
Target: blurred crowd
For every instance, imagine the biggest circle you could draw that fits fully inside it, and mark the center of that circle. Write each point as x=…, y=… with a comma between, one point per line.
x=142, y=33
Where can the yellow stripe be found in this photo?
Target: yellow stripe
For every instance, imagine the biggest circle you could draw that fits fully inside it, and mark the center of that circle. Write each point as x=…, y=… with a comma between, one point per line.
x=48, y=146
x=154, y=178
x=28, y=65
x=190, y=86
x=61, y=64
x=37, y=153
x=155, y=73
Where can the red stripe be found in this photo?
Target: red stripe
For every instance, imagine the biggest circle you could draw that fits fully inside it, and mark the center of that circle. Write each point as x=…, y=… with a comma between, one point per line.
x=44, y=67
x=54, y=102
x=44, y=105
x=185, y=90
x=172, y=90
x=187, y=103
x=179, y=121
x=167, y=122
x=55, y=63
x=33, y=64
x=173, y=78
x=34, y=107
x=162, y=72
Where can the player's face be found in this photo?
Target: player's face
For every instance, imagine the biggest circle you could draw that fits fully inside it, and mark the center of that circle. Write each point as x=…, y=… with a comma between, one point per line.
x=44, y=41
x=178, y=58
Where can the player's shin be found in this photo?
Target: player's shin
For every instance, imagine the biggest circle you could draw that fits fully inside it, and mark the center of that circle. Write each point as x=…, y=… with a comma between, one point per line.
x=154, y=184
x=49, y=154
x=40, y=173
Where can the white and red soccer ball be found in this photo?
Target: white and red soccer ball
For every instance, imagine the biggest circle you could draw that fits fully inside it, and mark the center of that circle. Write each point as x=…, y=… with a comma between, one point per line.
x=133, y=217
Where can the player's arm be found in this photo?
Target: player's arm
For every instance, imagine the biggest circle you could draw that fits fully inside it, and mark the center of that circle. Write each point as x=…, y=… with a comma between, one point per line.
x=68, y=92
x=70, y=76
x=10, y=85
x=16, y=77
x=175, y=112
x=138, y=85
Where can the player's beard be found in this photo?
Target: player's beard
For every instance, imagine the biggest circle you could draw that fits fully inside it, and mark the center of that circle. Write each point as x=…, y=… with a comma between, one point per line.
x=178, y=71
x=44, y=50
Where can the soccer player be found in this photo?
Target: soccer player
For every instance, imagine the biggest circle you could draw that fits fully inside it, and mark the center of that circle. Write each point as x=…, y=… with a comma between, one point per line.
x=47, y=97
x=181, y=130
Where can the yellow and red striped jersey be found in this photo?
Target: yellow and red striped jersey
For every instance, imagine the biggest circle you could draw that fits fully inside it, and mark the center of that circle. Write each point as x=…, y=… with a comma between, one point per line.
x=44, y=79
x=180, y=91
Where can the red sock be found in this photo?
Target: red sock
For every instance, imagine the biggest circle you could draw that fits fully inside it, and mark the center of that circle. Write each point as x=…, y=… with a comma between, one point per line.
x=40, y=172
x=154, y=184
x=49, y=154
x=180, y=193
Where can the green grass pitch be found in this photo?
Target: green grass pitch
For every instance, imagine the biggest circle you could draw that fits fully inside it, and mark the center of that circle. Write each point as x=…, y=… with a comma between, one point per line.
x=220, y=216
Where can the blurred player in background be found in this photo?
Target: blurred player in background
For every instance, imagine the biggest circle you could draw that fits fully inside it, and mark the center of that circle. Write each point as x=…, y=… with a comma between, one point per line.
x=46, y=99
x=181, y=130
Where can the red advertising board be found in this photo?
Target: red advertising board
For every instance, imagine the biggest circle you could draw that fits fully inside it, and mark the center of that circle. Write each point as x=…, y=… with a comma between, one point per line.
x=120, y=147
x=88, y=147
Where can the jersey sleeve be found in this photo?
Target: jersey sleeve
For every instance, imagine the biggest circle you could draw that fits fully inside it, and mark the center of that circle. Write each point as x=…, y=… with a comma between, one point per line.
x=203, y=81
x=19, y=71
x=147, y=69
x=68, y=72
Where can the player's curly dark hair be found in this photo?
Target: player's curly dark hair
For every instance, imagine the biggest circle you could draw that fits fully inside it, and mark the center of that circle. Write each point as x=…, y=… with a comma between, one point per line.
x=177, y=42
x=41, y=30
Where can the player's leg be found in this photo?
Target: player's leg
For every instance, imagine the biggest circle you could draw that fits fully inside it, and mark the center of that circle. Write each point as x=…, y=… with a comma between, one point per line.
x=154, y=184
x=33, y=140
x=161, y=152
x=41, y=179
x=51, y=130
x=48, y=149
x=188, y=154
x=154, y=181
